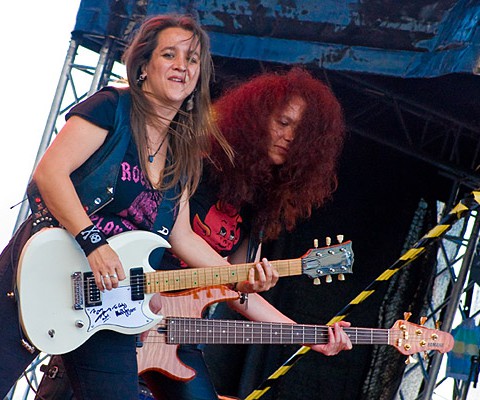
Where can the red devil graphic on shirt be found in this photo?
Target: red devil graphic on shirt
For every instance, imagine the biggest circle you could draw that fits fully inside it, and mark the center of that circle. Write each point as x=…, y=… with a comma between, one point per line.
x=220, y=229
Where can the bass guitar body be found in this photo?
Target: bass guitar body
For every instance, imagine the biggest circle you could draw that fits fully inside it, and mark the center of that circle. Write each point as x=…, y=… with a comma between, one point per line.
x=156, y=354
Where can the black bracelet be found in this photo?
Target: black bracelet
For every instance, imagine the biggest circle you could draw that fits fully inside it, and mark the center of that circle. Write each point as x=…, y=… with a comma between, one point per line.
x=243, y=296
x=90, y=238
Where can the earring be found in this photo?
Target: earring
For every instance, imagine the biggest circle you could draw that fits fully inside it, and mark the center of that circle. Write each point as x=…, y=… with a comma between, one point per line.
x=141, y=78
x=190, y=103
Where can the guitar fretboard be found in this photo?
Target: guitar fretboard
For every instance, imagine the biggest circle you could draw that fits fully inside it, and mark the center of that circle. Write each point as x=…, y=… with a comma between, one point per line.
x=197, y=330
x=189, y=278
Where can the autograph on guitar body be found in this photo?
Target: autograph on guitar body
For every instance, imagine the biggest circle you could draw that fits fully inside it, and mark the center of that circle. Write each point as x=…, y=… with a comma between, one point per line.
x=60, y=305
x=159, y=351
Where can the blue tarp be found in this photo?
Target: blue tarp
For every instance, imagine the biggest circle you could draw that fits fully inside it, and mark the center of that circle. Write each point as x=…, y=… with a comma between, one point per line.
x=414, y=38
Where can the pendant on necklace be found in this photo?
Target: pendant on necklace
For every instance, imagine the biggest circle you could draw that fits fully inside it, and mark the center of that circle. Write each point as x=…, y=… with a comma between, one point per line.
x=152, y=156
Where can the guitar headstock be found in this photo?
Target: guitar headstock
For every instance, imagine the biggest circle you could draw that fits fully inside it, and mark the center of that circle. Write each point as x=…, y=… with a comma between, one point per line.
x=327, y=261
x=409, y=338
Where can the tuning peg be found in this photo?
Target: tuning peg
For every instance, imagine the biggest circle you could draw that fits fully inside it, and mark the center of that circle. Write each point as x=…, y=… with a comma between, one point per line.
x=423, y=320
x=315, y=243
x=328, y=279
x=341, y=277
x=409, y=360
x=340, y=238
x=328, y=240
x=407, y=315
x=317, y=281
x=425, y=355
x=438, y=324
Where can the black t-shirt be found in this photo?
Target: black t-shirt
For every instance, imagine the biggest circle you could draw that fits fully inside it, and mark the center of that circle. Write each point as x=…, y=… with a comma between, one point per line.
x=223, y=228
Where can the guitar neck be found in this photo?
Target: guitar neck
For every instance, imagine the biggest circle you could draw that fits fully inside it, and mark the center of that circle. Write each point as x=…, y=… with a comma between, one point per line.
x=196, y=330
x=189, y=278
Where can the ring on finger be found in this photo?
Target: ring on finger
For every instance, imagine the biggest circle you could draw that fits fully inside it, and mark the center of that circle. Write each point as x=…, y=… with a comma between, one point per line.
x=105, y=276
x=113, y=276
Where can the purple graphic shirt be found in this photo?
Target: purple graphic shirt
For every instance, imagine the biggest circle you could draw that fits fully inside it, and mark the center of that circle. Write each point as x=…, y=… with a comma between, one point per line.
x=136, y=201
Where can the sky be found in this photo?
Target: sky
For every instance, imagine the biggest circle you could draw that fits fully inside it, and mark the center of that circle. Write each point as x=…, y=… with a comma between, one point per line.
x=34, y=39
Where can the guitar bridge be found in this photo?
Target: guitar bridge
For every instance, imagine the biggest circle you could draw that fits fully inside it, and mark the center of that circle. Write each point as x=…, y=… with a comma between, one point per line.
x=77, y=290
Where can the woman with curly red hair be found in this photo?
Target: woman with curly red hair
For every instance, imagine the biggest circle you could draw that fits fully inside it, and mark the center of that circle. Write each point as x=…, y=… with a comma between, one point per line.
x=287, y=132
x=290, y=113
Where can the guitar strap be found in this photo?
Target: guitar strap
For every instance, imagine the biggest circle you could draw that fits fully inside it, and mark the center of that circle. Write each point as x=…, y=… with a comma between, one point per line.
x=254, y=243
x=468, y=204
x=166, y=214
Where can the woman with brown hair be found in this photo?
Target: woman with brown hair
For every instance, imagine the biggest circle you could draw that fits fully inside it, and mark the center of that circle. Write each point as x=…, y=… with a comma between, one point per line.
x=127, y=159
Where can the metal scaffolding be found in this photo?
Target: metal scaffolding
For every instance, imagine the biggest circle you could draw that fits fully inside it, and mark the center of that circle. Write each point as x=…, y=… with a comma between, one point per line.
x=454, y=297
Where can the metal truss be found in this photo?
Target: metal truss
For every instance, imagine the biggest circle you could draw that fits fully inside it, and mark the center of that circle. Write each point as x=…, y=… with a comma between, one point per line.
x=384, y=115
x=455, y=296
x=83, y=73
x=450, y=145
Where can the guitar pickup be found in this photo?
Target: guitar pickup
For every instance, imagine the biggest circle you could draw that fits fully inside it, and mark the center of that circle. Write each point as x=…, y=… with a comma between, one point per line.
x=137, y=281
x=93, y=294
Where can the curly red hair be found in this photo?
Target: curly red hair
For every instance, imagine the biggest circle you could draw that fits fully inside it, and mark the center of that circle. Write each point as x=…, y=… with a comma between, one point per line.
x=278, y=196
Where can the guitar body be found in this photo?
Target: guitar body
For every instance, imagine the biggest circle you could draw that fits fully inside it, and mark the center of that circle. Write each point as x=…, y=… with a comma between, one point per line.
x=52, y=305
x=155, y=354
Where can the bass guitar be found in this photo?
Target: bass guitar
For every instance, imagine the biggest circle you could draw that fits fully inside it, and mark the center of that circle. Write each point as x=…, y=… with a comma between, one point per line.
x=60, y=305
x=159, y=350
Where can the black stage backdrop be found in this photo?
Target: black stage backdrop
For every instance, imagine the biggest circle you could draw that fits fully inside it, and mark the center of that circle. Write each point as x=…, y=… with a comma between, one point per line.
x=379, y=192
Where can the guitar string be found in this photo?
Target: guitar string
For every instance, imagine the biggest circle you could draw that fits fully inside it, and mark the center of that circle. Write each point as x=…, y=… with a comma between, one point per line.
x=284, y=265
x=191, y=329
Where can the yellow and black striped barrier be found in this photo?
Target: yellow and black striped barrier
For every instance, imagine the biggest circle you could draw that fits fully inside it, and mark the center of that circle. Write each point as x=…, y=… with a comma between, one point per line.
x=463, y=208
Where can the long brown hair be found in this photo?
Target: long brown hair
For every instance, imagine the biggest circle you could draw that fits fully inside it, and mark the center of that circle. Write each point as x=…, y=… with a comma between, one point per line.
x=278, y=195
x=193, y=130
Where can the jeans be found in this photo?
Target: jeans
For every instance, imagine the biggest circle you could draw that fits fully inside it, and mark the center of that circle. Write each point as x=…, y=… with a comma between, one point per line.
x=104, y=367
x=164, y=388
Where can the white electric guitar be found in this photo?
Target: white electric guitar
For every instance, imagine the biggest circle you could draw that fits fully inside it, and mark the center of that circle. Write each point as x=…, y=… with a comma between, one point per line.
x=61, y=306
